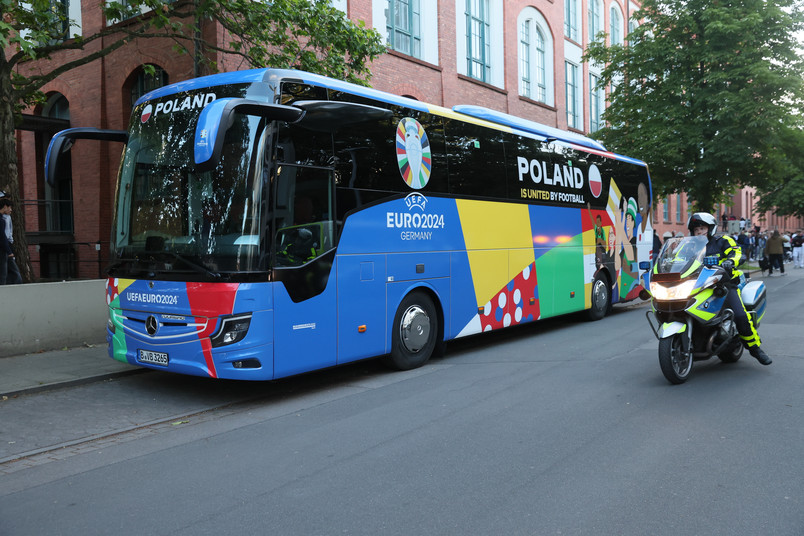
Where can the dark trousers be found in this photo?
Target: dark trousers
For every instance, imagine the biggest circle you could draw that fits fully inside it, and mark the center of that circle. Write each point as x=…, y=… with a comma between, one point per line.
x=745, y=327
x=9, y=273
x=776, y=260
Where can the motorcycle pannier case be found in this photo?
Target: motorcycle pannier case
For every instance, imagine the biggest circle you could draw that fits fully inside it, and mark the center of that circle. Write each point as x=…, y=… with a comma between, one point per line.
x=753, y=295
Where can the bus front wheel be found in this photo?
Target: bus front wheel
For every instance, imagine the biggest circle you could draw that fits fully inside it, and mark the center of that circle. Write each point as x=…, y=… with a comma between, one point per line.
x=415, y=331
x=601, y=298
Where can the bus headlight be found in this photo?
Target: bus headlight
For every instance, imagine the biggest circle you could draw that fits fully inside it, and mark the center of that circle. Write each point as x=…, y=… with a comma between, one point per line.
x=675, y=292
x=233, y=329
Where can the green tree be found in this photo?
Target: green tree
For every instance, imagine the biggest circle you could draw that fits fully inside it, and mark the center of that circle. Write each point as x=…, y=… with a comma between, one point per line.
x=706, y=91
x=785, y=196
x=302, y=34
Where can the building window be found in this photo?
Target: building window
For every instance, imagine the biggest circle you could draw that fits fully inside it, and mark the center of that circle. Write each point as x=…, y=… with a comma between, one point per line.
x=596, y=103
x=632, y=25
x=678, y=208
x=524, y=57
x=478, y=44
x=615, y=26
x=403, y=26
x=571, y=25
x=666, y=209
x=535, y=57
x=532, y=61
x=595, y=18
x=147, y=82
x=573, y=115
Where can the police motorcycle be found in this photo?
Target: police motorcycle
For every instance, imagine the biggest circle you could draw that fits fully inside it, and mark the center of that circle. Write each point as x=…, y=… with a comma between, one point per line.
x=688, y=292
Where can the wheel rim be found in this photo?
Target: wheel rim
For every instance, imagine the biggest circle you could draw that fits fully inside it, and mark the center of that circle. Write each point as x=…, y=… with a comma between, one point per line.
x=414, y=329
x=599, y=294
x=681, y=363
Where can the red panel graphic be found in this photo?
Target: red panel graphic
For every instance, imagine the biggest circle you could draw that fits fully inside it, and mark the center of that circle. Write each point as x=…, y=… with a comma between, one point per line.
x=517, y=303
x=210, y=300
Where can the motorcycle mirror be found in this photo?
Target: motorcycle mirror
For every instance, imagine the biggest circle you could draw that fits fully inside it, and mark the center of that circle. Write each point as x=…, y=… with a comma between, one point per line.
x=644, y=294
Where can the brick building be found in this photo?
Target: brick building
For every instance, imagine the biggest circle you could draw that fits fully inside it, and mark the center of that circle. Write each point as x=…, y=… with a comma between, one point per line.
x=516, y=56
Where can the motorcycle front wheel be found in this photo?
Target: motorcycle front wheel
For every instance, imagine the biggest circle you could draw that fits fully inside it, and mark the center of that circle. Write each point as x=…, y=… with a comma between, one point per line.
x=676, y=365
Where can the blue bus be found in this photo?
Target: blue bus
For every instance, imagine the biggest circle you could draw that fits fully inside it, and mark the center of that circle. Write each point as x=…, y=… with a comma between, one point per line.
x=273, y=222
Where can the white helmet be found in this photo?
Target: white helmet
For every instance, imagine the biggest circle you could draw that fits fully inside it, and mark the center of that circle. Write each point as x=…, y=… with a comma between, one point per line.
x=703, y=218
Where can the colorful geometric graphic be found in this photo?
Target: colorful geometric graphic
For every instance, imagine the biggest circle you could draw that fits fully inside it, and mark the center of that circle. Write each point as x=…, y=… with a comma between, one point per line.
x=114, y=287
x=518, y=302
x=413, y=153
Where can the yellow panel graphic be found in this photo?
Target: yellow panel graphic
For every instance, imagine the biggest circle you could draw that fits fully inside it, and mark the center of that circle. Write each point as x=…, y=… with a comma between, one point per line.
x=490, y=230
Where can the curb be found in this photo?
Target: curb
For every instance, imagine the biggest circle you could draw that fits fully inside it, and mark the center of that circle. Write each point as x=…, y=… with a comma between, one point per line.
x=72, y=383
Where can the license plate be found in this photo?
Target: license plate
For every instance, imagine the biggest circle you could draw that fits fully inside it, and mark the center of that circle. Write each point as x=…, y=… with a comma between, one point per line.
x=155, y=358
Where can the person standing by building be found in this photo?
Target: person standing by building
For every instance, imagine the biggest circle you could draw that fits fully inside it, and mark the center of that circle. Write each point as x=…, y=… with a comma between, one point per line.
x=9, y=273
x=774, y=249
x=798, y=249
x=788, y=249
x=762, y=241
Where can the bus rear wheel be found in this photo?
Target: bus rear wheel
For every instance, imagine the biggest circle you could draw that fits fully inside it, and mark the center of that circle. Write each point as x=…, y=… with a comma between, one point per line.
x=415, y=331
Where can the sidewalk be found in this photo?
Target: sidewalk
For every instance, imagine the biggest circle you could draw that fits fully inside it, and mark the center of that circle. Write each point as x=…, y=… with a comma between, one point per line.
x=37, y=372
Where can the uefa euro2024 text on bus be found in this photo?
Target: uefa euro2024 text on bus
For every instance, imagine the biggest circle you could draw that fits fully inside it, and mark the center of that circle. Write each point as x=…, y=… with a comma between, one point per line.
x=273, y=222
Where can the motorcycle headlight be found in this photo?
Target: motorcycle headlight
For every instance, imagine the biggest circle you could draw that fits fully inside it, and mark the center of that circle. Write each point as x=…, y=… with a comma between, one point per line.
x=675, y=292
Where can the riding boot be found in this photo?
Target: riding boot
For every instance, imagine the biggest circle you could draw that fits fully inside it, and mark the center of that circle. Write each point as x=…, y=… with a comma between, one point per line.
x=760, y=356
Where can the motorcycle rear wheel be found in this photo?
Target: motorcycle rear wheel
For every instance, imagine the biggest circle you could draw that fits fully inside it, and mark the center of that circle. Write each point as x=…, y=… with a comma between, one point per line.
x=733, y=354
x=676, y=365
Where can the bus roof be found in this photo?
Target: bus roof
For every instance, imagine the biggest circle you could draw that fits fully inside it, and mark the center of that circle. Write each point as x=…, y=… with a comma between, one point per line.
x=471, y=113
x=528, y=126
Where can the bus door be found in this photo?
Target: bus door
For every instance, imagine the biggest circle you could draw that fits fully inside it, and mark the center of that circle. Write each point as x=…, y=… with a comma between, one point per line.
x=303, y=253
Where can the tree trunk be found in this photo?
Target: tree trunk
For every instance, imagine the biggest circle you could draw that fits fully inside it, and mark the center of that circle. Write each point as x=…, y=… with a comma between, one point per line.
x=9, y=179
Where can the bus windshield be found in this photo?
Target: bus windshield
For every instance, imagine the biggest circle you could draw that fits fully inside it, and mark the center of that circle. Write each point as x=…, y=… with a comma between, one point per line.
x=174, y=222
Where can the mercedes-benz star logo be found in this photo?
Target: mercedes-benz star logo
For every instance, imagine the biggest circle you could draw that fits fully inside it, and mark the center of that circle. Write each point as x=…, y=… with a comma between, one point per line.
x=151, y=325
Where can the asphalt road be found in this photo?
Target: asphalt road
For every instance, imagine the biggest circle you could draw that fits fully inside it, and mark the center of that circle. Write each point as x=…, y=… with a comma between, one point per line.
x=560, y=427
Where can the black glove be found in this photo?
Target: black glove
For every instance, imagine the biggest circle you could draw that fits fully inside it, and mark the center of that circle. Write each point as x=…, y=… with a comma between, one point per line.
x=728, y=265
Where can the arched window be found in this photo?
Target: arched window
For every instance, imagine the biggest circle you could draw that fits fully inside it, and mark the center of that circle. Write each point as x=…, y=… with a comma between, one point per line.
x=145, y=82
x=615, y=25
x=57, y=107
x=56, y=209
x=535, y=57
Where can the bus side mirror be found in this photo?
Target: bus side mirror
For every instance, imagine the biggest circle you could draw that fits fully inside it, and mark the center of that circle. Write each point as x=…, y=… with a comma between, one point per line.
x=63, y=140
x=218, y=116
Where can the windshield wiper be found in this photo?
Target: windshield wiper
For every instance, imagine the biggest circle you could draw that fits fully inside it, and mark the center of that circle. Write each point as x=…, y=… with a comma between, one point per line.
x=200, y=268
x=120, y=262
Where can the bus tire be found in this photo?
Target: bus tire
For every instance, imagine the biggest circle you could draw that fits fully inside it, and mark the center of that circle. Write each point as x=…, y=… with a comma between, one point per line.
x=601, y=298
x=415, y=332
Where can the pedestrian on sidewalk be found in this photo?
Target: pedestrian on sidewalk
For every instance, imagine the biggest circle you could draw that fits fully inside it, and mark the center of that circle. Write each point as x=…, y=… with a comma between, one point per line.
x=774, y=249
x=798, y=249
x=9, y=273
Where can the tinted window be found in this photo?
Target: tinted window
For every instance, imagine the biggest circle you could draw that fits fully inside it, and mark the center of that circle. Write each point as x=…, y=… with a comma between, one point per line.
x=476, y=158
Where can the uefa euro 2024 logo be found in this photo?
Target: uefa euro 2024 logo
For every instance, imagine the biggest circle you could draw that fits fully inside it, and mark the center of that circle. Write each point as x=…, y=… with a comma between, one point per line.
x=413, y=153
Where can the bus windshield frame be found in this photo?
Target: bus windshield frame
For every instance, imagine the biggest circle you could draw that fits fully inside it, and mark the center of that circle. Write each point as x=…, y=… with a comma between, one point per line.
x=175, y=221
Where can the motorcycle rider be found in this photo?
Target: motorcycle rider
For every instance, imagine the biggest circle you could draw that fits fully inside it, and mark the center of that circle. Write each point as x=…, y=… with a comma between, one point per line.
x=729, y=253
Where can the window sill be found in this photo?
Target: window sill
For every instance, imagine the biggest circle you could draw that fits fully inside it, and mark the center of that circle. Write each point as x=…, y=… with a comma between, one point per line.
x=413, y=59
x=481, y=83
x=538, y=103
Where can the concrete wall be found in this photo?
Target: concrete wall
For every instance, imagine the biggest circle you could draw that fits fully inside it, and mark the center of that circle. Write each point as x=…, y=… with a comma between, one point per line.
x=48, y=316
